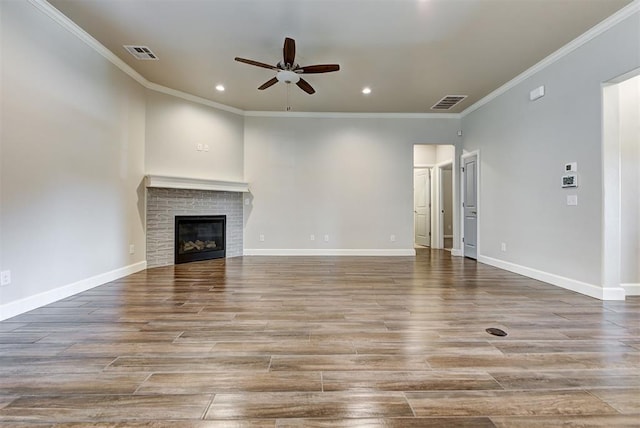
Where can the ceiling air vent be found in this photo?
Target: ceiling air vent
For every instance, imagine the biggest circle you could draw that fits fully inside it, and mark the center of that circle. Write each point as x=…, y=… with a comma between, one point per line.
x=141, y=52
x=448, y=102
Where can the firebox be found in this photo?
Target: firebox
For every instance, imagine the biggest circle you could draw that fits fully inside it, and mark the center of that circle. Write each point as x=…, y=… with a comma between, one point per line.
x=200, y=238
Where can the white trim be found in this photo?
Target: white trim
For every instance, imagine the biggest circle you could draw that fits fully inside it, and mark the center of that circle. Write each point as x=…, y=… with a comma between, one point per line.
x=606, y=293
x=74, y=29
x=456, y=252
x=328, y=252
x=594, y=32
x=167, y=182
x=21, y=306
x=631, y=289
x=344, y=115
x=447, y=236
x=192, y=98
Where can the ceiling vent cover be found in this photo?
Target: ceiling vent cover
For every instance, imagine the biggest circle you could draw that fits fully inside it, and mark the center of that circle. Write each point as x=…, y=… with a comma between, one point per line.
x=141, y=52
x=448, y=102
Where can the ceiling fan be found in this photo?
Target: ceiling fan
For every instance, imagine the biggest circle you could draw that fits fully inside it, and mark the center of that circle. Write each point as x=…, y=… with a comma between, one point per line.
x=288, y=71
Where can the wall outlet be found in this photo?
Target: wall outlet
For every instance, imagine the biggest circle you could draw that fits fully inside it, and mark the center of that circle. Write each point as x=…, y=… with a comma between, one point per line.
x=572, y=199
x=503, y=246
x=312, y=237
x=326, y=238
x=5, y=277
x=132, y=249
x=261, y=238
x=392, y=238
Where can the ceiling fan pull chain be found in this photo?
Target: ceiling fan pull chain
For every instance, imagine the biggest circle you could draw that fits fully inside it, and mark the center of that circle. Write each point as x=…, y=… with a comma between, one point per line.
x=288, y=94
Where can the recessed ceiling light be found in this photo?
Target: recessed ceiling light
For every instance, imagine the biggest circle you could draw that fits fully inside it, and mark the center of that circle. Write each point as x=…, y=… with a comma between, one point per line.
x=366, y=90
x=220, y=88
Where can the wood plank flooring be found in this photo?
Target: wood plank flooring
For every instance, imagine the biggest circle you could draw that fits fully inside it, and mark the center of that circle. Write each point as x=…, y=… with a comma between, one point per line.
x=323, y=342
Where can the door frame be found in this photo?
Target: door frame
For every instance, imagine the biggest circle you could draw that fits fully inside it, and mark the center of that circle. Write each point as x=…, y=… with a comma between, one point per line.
x=460, y=207
x=440, y=204
x=430, y=201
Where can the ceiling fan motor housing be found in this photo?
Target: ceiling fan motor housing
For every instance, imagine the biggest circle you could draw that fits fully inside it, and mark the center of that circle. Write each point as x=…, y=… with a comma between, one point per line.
x=287, y=76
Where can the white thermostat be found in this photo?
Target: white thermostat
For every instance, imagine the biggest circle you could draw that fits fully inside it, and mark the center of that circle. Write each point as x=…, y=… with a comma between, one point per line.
x=570, y=180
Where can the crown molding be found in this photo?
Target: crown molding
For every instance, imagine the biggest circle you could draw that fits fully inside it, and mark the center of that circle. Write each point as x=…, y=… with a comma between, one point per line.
x=73, y=28
x=344, y=115
x=193, y=98
x=81, y=34
x=595, y=31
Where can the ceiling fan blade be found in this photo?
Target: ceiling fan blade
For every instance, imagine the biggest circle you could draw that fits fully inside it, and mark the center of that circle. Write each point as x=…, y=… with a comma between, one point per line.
x=305, y=86
x=289, y=51
x=256, y=63
x=320, y=68
x=268, y=83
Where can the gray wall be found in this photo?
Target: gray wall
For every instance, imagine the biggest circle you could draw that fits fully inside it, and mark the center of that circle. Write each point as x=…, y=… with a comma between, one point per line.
x=523, y=147
x=72, y=158
x=349, y=178
x=174, y=128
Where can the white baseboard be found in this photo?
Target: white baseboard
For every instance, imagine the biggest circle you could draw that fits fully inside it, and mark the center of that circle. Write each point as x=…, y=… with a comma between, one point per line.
x=448, y=236
x=328, y=252
x=602, y=293
x=27, y=304
x=456, y=252
x=631, y=289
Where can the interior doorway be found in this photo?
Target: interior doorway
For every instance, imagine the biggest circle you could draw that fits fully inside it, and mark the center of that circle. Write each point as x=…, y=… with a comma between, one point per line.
x=446, y=211
x=621, y=186
x=433, y=195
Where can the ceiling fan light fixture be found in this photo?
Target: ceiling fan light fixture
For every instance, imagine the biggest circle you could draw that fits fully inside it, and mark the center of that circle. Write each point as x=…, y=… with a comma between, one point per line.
x=287, y=76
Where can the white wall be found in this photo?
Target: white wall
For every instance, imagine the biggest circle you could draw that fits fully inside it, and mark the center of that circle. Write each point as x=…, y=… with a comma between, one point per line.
x=174, y=128
x=72, y=156
x=349, y=178
x=445, y=153
x=629, y=98
x=424, y=155
x=523, y=147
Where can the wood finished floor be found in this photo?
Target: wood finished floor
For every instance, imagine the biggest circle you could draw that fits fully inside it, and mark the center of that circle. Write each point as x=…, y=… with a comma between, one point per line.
x=323, y=341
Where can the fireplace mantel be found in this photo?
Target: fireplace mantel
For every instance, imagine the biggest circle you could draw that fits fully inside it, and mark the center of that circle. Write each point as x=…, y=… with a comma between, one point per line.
x=167, y=182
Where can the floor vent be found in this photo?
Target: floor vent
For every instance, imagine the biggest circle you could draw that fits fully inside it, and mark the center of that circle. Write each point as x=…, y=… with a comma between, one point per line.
x=448, y=102
x=141, y=52
x=496, y=332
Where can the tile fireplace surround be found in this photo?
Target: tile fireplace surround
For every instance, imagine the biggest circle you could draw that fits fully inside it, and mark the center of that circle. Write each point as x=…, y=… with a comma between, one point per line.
x=168, y=198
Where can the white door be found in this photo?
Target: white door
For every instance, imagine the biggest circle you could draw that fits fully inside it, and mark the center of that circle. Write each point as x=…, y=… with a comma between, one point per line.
x=422, y=206
x=470, y=205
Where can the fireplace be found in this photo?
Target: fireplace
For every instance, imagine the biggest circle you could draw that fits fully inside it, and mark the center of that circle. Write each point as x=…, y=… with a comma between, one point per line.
x=199, y=238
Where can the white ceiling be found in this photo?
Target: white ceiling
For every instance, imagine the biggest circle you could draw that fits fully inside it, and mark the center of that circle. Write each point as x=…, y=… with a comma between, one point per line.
x=410, y=52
